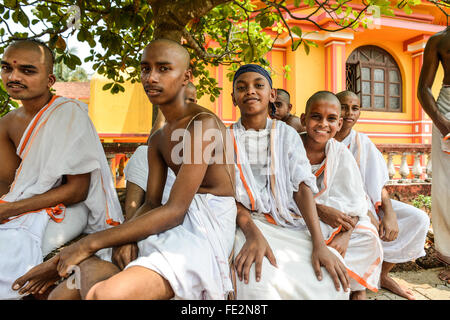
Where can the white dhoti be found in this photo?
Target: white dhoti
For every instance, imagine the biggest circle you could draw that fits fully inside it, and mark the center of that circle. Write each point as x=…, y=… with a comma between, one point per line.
x=193, y=257
x=413, y=227
x=412, y=223
x=440, y=189
x=341, y=187
x=295, y=277
x=136, y=171
x=60, y=140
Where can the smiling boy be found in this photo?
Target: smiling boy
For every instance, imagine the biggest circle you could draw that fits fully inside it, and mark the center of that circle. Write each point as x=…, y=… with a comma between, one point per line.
x=402, y=227
x=277, y=215
x=341, y=201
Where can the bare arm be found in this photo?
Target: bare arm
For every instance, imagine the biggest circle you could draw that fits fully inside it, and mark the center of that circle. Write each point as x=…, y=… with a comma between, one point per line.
x=134, y=198
x=8, y=159
x=388, y=228
x=426, y=79
x=160, y=219
x=73, y=191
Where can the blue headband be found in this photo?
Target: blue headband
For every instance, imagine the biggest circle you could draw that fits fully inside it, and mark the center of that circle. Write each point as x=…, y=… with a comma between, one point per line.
x=252, y=68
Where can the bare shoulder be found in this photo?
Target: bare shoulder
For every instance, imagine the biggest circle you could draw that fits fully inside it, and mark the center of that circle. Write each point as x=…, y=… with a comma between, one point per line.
x=207, y=117
x=8, y=120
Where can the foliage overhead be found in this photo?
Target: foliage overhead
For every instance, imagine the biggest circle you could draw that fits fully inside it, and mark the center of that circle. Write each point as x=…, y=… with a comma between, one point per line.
x=227, y=32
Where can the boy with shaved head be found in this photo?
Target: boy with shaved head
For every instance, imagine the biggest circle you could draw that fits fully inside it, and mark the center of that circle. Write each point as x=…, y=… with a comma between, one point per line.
x=136, y=171
x=183, y=245
x=341, y=201
x=53, y=167
x=277, y=216
x=282, y=111
x=402, y=227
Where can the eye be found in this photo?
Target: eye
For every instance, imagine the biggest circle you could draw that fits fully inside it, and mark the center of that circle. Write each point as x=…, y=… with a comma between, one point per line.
x=259, y=85
x=163, y=68
x=278, y=104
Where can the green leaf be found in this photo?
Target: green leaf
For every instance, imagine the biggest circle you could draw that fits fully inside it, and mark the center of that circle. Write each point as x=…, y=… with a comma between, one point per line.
x=295, y=44
x=297, y=30
x=307, y=49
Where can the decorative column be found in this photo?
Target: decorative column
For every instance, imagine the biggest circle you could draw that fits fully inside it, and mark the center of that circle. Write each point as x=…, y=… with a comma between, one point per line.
x=421, y=123
x=335, y=66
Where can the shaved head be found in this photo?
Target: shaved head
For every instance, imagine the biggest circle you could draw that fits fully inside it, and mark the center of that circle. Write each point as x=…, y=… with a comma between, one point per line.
x=176, y=49
x=38, y=46
x=343, y=94
x=285, y=94
x=322, y=95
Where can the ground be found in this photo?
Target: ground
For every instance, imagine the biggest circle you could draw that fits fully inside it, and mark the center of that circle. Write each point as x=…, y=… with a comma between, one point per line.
x=424, y=284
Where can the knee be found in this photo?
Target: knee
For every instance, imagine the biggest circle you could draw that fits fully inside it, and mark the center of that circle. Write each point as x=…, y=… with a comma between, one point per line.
x=423, y=220
x=103, y=291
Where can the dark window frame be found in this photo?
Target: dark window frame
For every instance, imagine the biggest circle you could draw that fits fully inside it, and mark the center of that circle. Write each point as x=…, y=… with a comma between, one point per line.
x=387, y=64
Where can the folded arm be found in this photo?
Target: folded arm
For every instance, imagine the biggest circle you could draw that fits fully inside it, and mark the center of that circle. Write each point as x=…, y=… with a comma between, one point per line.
x=74, y=190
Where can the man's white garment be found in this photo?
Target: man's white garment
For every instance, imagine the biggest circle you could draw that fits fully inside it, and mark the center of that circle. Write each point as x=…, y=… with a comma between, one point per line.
x=193, y=256
x=413, y=223
x=136, y=171
x=60, y=140
x=440, y=189
x=271, y=164
x=341, y=187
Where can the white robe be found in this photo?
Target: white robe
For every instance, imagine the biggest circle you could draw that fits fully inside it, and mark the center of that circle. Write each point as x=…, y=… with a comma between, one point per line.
x=136, y=171
x=413, y=223
x=440, y=189
x=341, y=187
x=266, y=188
x=60, y=140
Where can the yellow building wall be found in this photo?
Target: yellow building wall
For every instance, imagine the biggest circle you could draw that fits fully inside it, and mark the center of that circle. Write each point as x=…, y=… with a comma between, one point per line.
x=125, y=114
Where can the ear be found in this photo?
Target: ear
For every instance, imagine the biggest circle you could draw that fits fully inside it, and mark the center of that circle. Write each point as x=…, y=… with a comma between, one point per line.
x=187, y=76
x=273, y=95
x=232, y=99
x=51, y=80
x=303, y=120
x=341, y=122
x=290, y=107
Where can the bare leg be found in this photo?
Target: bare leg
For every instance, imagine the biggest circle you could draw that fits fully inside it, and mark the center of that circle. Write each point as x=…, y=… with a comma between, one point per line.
x=91, y=271
x=444, y=275
x=134, y=283
x=388, y=283
x=39, y=278
x=358, y=295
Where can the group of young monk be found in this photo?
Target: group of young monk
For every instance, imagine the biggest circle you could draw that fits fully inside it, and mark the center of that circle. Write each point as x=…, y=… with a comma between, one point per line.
x=272, y=207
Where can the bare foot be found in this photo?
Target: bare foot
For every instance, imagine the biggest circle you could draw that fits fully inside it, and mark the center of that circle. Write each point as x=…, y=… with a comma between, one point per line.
x=358, y=295
x=444, y=275
x=388, y=283
x=39, y=278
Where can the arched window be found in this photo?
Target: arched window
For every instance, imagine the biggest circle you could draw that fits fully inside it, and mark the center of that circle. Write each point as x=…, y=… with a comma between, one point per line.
x=373, y=74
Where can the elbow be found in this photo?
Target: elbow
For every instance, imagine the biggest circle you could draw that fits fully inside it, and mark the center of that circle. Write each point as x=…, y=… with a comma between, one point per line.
x=177, y=212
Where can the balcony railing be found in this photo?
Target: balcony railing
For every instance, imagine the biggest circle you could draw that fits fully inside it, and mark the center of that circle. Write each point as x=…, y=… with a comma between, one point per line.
x=406, y=163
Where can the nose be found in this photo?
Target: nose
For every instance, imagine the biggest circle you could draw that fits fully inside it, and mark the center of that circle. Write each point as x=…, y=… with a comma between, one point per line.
x=14, y=75
x=150, y=77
